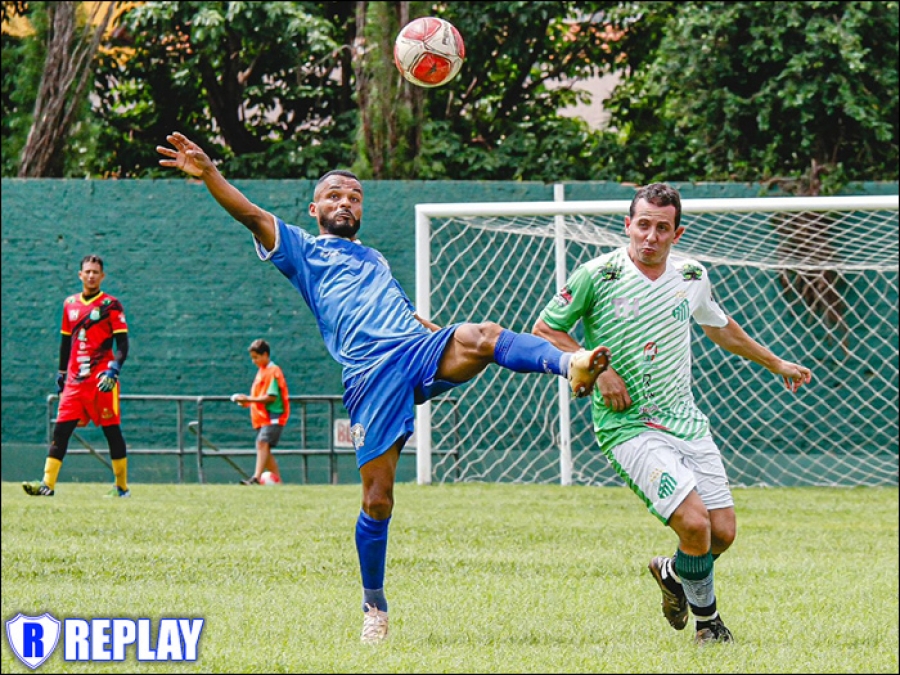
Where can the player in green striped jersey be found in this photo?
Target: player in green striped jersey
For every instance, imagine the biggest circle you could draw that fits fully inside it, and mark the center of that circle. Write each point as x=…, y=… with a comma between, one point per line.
x=638, y=301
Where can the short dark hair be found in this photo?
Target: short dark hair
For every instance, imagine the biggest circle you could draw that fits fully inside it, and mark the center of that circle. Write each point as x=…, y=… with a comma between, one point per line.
x=91, y=258
x=337, y=172
x=259, y=346
x=658, y=194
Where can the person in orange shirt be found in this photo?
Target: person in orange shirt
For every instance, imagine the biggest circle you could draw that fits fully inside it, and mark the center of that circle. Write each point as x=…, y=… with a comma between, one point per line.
x=269, y=406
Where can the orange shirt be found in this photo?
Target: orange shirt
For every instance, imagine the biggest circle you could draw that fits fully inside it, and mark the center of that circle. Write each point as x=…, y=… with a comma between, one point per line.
x=260, y=415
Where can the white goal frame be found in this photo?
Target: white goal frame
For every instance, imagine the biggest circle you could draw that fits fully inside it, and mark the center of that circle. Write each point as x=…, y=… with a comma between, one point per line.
x=559, y=210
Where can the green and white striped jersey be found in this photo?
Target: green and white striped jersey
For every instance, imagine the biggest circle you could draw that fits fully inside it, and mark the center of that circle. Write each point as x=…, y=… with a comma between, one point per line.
x=646, y=325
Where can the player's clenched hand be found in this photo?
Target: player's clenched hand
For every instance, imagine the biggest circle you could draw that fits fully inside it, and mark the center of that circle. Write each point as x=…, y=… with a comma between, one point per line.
x=109, y=377
x=612, y=388
x=60, y=382
x=187, y=155
x=793, y=374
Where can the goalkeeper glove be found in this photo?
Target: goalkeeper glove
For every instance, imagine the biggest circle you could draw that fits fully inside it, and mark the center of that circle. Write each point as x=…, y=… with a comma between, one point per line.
x=60, y=382
x=109, y=377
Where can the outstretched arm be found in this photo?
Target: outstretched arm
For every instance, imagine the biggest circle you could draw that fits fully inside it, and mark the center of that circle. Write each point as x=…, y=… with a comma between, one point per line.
x=190, y=158
x=732, y=338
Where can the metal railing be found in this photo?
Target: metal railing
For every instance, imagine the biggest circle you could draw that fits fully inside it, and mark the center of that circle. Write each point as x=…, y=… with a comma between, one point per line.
x=195, y=437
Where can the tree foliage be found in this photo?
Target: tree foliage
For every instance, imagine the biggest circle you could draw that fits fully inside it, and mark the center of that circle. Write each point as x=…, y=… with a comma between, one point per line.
x=763, y=91
x=747, y=91
x=254, y=82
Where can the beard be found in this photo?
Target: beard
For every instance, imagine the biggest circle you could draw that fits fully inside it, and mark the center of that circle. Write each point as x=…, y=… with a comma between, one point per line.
x=345, y=226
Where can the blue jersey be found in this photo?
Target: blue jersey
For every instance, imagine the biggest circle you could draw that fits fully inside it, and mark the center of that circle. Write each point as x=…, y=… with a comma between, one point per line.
x=362, y=312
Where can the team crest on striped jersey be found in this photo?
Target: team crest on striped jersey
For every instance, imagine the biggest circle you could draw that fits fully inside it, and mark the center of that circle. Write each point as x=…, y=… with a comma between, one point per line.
x=610, y=272
x=691, y=272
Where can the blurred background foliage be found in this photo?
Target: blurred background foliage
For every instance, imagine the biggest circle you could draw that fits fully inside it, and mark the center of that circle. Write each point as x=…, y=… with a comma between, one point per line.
x=801, y=94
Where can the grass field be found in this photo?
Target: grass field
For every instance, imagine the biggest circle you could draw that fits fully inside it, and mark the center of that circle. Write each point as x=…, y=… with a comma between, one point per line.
x=480, y=579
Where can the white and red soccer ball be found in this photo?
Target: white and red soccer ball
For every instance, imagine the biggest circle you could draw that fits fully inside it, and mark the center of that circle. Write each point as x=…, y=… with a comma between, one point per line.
x=270, y=479
x=429, y=51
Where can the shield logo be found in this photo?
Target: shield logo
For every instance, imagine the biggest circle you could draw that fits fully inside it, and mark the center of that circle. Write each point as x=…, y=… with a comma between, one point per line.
x=33, y=638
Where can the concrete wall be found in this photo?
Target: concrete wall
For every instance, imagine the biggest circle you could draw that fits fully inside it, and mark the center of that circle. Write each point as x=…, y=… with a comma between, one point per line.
x=194, y=292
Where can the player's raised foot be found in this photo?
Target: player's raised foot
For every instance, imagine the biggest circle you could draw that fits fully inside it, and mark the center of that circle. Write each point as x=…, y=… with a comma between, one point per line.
x=375, y=625
x=37, y=488
x=674, y=601
x=253, y=480
x=710, y=632
x=118, y=492
x=584, y=369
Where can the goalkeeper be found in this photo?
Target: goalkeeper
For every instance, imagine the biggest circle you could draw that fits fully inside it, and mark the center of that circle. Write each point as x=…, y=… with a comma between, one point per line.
x=638, y=300
x=87, y=381
x=392, y=359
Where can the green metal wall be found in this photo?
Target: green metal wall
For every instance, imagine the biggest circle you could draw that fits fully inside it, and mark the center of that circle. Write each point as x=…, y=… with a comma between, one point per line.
x=195, y=293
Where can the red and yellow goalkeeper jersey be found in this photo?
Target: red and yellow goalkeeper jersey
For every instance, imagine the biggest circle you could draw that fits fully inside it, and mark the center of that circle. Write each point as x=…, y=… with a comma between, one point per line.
x=92, y=325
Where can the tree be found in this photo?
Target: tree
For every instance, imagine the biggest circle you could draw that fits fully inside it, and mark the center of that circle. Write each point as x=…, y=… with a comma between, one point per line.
x=500, y=118
x=253, y=82
x=762, y=91
x=390, y=132
x=67, y=70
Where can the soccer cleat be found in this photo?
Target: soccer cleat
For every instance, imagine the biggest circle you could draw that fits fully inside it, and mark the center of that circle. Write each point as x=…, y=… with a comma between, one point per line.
x=584, y=369
x=118, y=492
x=674, y=603
x=253, y=480
x=37, y=489
x=375, y=625
x=715, y=631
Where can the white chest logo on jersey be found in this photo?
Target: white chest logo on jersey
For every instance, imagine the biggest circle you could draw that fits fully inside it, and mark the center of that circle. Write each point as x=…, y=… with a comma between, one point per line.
x=683, y=311
x=626, y=308
x=73, y=315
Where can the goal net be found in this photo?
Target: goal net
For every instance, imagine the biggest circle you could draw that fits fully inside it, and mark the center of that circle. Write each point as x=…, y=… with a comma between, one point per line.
x=812, y=278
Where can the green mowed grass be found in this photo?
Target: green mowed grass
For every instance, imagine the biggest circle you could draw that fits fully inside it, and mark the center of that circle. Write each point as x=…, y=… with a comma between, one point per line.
x=481, y=578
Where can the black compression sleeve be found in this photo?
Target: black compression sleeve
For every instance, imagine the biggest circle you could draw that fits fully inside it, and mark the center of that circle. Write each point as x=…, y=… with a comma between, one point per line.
x=65, y=348
x=121, y=348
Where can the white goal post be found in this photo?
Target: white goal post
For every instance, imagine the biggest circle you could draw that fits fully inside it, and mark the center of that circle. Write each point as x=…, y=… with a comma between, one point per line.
x=813, y=278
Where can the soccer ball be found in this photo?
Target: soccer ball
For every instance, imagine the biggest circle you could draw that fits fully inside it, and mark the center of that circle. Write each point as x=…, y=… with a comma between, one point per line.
x=269, y=478
x=429, y=51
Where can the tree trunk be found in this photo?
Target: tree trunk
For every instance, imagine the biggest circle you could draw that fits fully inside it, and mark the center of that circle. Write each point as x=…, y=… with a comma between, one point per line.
x=67, y=70
x=390, y=109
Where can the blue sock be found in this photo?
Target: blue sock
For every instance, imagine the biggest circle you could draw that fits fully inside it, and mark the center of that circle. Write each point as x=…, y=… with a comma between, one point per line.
x=371, y=546
x=525, y=353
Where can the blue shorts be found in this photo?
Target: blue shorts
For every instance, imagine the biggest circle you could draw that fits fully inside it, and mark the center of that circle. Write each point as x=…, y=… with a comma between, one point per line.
x=382, y=400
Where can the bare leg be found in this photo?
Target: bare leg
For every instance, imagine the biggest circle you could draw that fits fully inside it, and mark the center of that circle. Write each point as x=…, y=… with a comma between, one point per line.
x=263, y=455
x=691, y=523
x=272, y=465
x=469, y=351
x=723, y=524
x=378, y=483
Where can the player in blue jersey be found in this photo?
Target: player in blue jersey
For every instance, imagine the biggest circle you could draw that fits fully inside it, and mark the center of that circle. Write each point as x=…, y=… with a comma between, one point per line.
x=639, y=300
x=392, y=358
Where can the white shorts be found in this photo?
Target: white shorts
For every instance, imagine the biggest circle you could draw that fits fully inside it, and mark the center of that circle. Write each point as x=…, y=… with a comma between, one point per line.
x=662, y=469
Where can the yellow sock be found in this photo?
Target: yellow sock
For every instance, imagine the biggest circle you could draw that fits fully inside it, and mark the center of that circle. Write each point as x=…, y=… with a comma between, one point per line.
x=51, y=472
x=120, y=469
